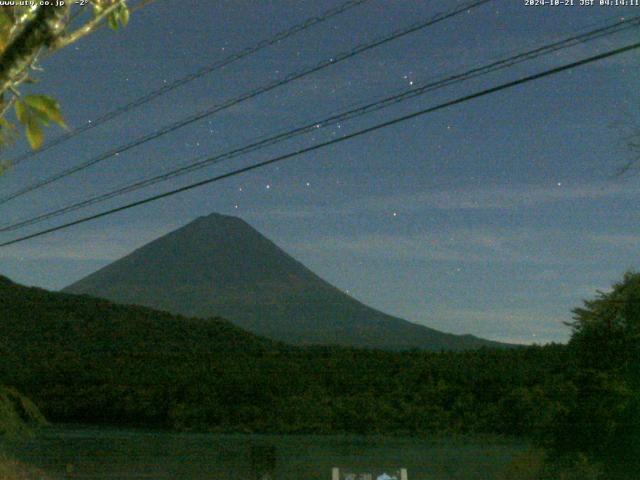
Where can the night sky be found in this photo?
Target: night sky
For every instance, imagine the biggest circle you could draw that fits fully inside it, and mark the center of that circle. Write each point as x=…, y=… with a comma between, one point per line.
x=495, y=217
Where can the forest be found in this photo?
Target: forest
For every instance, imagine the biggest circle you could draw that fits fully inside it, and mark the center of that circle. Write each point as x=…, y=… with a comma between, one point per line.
x=85, y=360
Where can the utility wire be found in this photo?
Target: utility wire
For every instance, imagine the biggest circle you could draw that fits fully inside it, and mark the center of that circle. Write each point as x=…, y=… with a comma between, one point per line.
x=278, y=37
x=203, y=162
x=246, y=96
x=318, y=146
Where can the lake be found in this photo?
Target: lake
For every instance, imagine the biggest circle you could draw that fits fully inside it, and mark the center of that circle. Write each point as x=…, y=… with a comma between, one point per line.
x=75, y=452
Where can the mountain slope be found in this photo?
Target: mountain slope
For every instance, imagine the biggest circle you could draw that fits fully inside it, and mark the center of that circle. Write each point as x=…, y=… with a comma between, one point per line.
x=35, y=320
x=84, y=359
x=220, y=266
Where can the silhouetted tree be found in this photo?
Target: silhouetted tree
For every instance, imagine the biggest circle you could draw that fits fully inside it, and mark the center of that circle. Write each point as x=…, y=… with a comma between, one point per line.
x=603, y=419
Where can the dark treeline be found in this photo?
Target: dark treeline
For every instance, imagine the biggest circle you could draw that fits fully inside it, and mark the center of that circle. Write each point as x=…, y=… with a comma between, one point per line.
x=91, y=361
x=322, y=391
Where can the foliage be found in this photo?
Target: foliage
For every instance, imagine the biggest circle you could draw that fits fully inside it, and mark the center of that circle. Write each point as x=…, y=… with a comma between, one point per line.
x=526, y=466
x=572, y=467
x=119, y=17
x=28, y=31
x=602, y=421
x=91, y=361
x=11, y=469
x=18, y=415
x=606, y=331
x=34, y=112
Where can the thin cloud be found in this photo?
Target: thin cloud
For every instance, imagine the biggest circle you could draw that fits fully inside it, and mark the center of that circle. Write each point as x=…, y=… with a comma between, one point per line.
x=618, y=240
x=480, y=198
x=551, y=247
x=505, y=325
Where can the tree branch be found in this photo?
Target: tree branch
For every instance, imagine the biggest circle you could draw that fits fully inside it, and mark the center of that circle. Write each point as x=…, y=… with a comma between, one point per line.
x=7, y=106
x=22, y=51
x=86, y=29
x=21, y=21
x=95, y=25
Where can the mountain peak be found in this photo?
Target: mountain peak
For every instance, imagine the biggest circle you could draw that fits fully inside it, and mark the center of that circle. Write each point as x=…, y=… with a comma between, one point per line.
x=216, y=224
x=218, y=217
x=219, y=265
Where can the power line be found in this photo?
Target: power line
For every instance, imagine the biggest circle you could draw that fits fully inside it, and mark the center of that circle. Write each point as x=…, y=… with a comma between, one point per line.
x=318, y=146
x=246, y=96
x=203, y=162
x=278, y=37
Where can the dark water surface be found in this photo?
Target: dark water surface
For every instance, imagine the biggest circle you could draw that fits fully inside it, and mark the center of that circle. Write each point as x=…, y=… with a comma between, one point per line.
x=66, y=452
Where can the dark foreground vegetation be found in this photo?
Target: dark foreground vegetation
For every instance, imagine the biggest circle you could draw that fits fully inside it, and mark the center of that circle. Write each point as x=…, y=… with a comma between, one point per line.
x=19, y=417
x=91, y=361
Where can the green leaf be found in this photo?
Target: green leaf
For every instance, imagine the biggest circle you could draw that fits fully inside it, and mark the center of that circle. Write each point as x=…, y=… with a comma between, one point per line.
x=34, y=134
x=119, y=17
x=7, y=131
x=5, y=28
x=34, y=112
x=123, y=15
x=6, y=22
x=112, y=19
x=22, y=112
x=46, y=108
x=6, y=127
x=5, y=19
